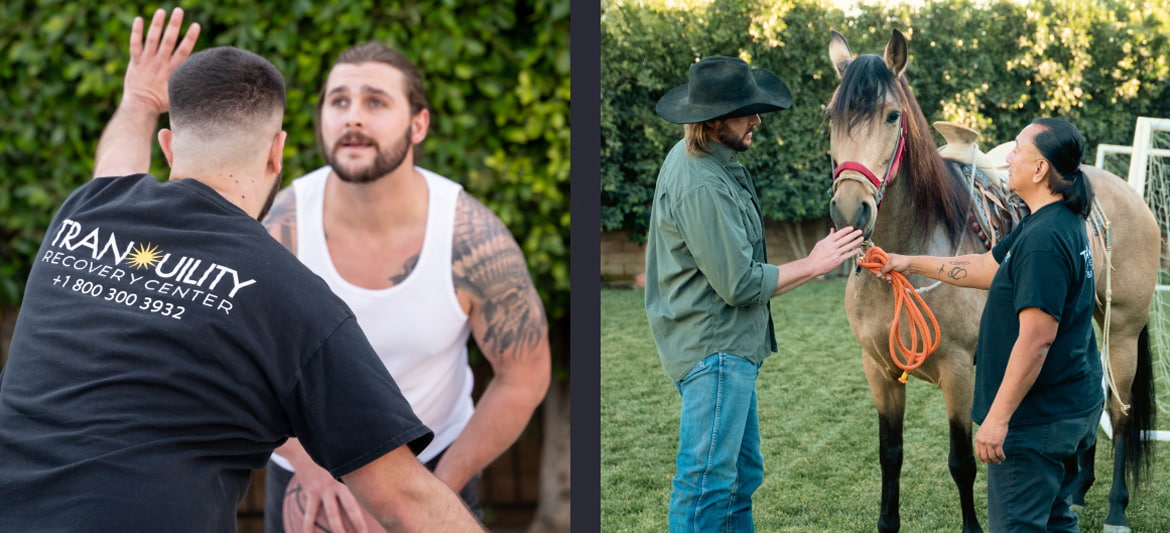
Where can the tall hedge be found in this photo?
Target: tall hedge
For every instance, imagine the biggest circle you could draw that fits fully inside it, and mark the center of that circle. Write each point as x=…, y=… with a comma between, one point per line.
x=991, y=64
x=497, y=74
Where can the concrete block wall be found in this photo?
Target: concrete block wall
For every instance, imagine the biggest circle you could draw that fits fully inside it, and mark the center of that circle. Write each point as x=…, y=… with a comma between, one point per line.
x=622, y=260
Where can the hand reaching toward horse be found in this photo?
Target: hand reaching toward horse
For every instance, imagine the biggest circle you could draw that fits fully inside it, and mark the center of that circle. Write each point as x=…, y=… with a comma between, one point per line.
x=828, y=254
x=834, y=249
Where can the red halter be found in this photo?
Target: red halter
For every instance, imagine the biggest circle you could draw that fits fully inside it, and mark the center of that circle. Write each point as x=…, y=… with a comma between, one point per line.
x=892, y=170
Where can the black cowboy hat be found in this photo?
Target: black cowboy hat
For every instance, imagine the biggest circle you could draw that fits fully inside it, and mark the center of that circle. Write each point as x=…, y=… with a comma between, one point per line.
x=720, y=87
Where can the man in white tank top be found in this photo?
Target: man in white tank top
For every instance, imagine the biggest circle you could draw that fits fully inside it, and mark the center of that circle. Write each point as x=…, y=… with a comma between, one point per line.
x=422, y=265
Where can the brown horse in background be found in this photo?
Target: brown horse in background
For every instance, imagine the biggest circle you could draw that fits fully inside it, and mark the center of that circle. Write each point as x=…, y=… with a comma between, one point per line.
x=878, y=129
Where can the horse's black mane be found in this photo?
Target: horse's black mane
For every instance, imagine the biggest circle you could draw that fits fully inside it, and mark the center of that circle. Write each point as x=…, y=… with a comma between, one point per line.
x=862, y=91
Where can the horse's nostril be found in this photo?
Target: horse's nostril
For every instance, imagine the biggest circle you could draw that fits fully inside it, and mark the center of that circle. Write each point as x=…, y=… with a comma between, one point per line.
x=864, y=215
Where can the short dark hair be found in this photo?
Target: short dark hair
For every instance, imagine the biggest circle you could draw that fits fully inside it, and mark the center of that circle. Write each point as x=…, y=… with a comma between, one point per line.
x=1063, y=146
x=376, y=52
x=222, y=88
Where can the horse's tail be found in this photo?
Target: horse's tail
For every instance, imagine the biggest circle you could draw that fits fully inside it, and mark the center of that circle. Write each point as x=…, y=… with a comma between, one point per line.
x=1139, y=447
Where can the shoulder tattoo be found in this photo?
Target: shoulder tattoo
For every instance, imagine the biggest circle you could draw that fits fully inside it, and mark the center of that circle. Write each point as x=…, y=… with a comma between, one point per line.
x=487, y=263
x=281, y=220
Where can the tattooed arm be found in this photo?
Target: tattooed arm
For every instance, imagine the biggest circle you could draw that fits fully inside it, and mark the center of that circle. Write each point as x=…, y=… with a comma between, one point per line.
x=281, y=220
x=974, y=270
x=508, y=321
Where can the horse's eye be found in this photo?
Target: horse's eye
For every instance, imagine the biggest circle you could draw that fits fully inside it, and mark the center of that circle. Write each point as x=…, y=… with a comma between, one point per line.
x=893, y=117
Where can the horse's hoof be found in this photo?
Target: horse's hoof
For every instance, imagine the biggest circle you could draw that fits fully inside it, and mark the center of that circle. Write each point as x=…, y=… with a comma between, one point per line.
x=1116, y=529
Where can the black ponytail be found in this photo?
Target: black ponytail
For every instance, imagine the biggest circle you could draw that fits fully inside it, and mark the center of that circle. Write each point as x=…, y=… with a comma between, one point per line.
x=1063, y=146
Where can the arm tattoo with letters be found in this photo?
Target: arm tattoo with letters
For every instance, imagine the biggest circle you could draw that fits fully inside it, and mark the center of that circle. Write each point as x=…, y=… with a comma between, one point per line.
x=281, y=220
x=957, y=270
x=488, y=264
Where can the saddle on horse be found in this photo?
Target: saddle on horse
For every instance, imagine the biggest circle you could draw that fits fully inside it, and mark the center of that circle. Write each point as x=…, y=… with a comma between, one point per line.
x=995, y=209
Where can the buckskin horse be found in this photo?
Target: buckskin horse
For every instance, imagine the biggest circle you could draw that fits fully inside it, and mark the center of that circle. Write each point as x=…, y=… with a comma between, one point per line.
x=928, y=205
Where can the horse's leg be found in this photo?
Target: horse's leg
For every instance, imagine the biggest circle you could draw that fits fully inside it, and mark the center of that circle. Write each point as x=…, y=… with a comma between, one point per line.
x=1116, y=522
x=1129, y=359
x=1121, y=352
x=890, y=398
x=957, y=382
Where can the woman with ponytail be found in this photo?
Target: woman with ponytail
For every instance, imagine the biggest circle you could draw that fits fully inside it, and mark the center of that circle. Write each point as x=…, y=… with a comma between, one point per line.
x=1038, y=393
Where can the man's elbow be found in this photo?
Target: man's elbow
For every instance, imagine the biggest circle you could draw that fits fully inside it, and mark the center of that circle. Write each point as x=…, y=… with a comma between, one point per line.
x=541, y=378
x=742, y=296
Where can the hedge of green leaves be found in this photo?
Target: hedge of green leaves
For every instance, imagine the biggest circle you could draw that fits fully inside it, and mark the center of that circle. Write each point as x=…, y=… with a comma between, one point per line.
x=497, y=75
x=994, y=65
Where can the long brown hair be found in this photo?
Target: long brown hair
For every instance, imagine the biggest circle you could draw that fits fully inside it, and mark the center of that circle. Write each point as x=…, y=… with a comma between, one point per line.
x=698, y=137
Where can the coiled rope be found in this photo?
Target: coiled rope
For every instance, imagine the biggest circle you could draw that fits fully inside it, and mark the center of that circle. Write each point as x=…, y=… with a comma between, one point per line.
x=924, y=337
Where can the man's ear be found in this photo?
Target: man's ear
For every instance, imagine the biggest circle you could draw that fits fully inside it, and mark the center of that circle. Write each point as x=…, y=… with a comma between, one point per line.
x=1041, y=170
x=276, y=153
x=165, y=138
x=419, y=124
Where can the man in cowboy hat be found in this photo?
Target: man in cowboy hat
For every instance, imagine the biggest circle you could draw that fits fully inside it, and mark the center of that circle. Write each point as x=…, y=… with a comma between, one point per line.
x=708, y=284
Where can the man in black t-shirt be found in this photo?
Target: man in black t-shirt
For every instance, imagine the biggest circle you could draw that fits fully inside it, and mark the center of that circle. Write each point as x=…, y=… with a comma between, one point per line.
x=1038, y=394
x=166, y=344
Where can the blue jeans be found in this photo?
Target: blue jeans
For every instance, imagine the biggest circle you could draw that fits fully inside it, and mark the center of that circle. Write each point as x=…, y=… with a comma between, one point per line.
x=1031, y=490
x=719, y=463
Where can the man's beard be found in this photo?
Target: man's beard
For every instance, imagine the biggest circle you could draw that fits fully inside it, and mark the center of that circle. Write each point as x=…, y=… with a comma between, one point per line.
x=730, y=139
x=384, y=163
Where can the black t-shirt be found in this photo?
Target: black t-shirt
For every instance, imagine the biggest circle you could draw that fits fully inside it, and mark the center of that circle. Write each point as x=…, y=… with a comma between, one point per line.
x=1045, y=263
x=165, y=346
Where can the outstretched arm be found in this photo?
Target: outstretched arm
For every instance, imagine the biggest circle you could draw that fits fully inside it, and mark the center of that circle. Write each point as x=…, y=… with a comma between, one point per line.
x=508, y=321
x=125, y=144
x=973, y=270
x=400, y=492
x=826, y=255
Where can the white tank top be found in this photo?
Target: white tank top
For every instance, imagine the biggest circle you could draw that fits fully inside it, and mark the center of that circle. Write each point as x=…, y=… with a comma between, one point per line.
x=417, y=327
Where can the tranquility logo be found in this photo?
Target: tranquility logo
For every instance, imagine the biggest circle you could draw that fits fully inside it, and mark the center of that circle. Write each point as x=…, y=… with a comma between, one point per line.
x=144, y=266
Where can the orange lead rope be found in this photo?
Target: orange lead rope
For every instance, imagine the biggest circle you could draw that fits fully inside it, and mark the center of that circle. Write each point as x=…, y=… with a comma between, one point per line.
x=916, y=313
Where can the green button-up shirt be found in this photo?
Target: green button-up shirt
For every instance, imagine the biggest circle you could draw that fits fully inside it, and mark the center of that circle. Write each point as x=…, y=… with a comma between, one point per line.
x=708, y=282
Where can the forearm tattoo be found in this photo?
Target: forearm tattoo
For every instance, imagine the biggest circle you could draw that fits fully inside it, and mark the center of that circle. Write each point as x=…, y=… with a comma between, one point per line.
x=281, y=220
x=488, y=264
x=955, y=270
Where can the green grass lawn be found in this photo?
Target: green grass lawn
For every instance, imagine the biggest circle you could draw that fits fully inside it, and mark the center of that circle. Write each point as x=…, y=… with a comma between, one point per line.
x=819, y=431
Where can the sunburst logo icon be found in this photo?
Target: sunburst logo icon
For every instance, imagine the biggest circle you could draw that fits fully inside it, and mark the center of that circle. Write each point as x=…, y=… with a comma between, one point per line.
x=144, y=256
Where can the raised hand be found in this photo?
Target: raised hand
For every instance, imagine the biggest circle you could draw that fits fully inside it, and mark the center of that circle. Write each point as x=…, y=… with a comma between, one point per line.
x=152, y=61
x=125, y=144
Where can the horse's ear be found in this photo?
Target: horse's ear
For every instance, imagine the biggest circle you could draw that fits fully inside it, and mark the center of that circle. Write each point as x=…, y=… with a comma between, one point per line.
x=839, y=52
x=896, y=53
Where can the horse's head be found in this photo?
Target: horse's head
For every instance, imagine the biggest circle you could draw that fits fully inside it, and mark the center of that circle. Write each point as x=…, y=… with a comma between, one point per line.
x=868, y=130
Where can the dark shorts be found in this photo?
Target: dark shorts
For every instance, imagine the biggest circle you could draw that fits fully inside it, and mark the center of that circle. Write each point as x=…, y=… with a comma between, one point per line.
x=276, y=483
